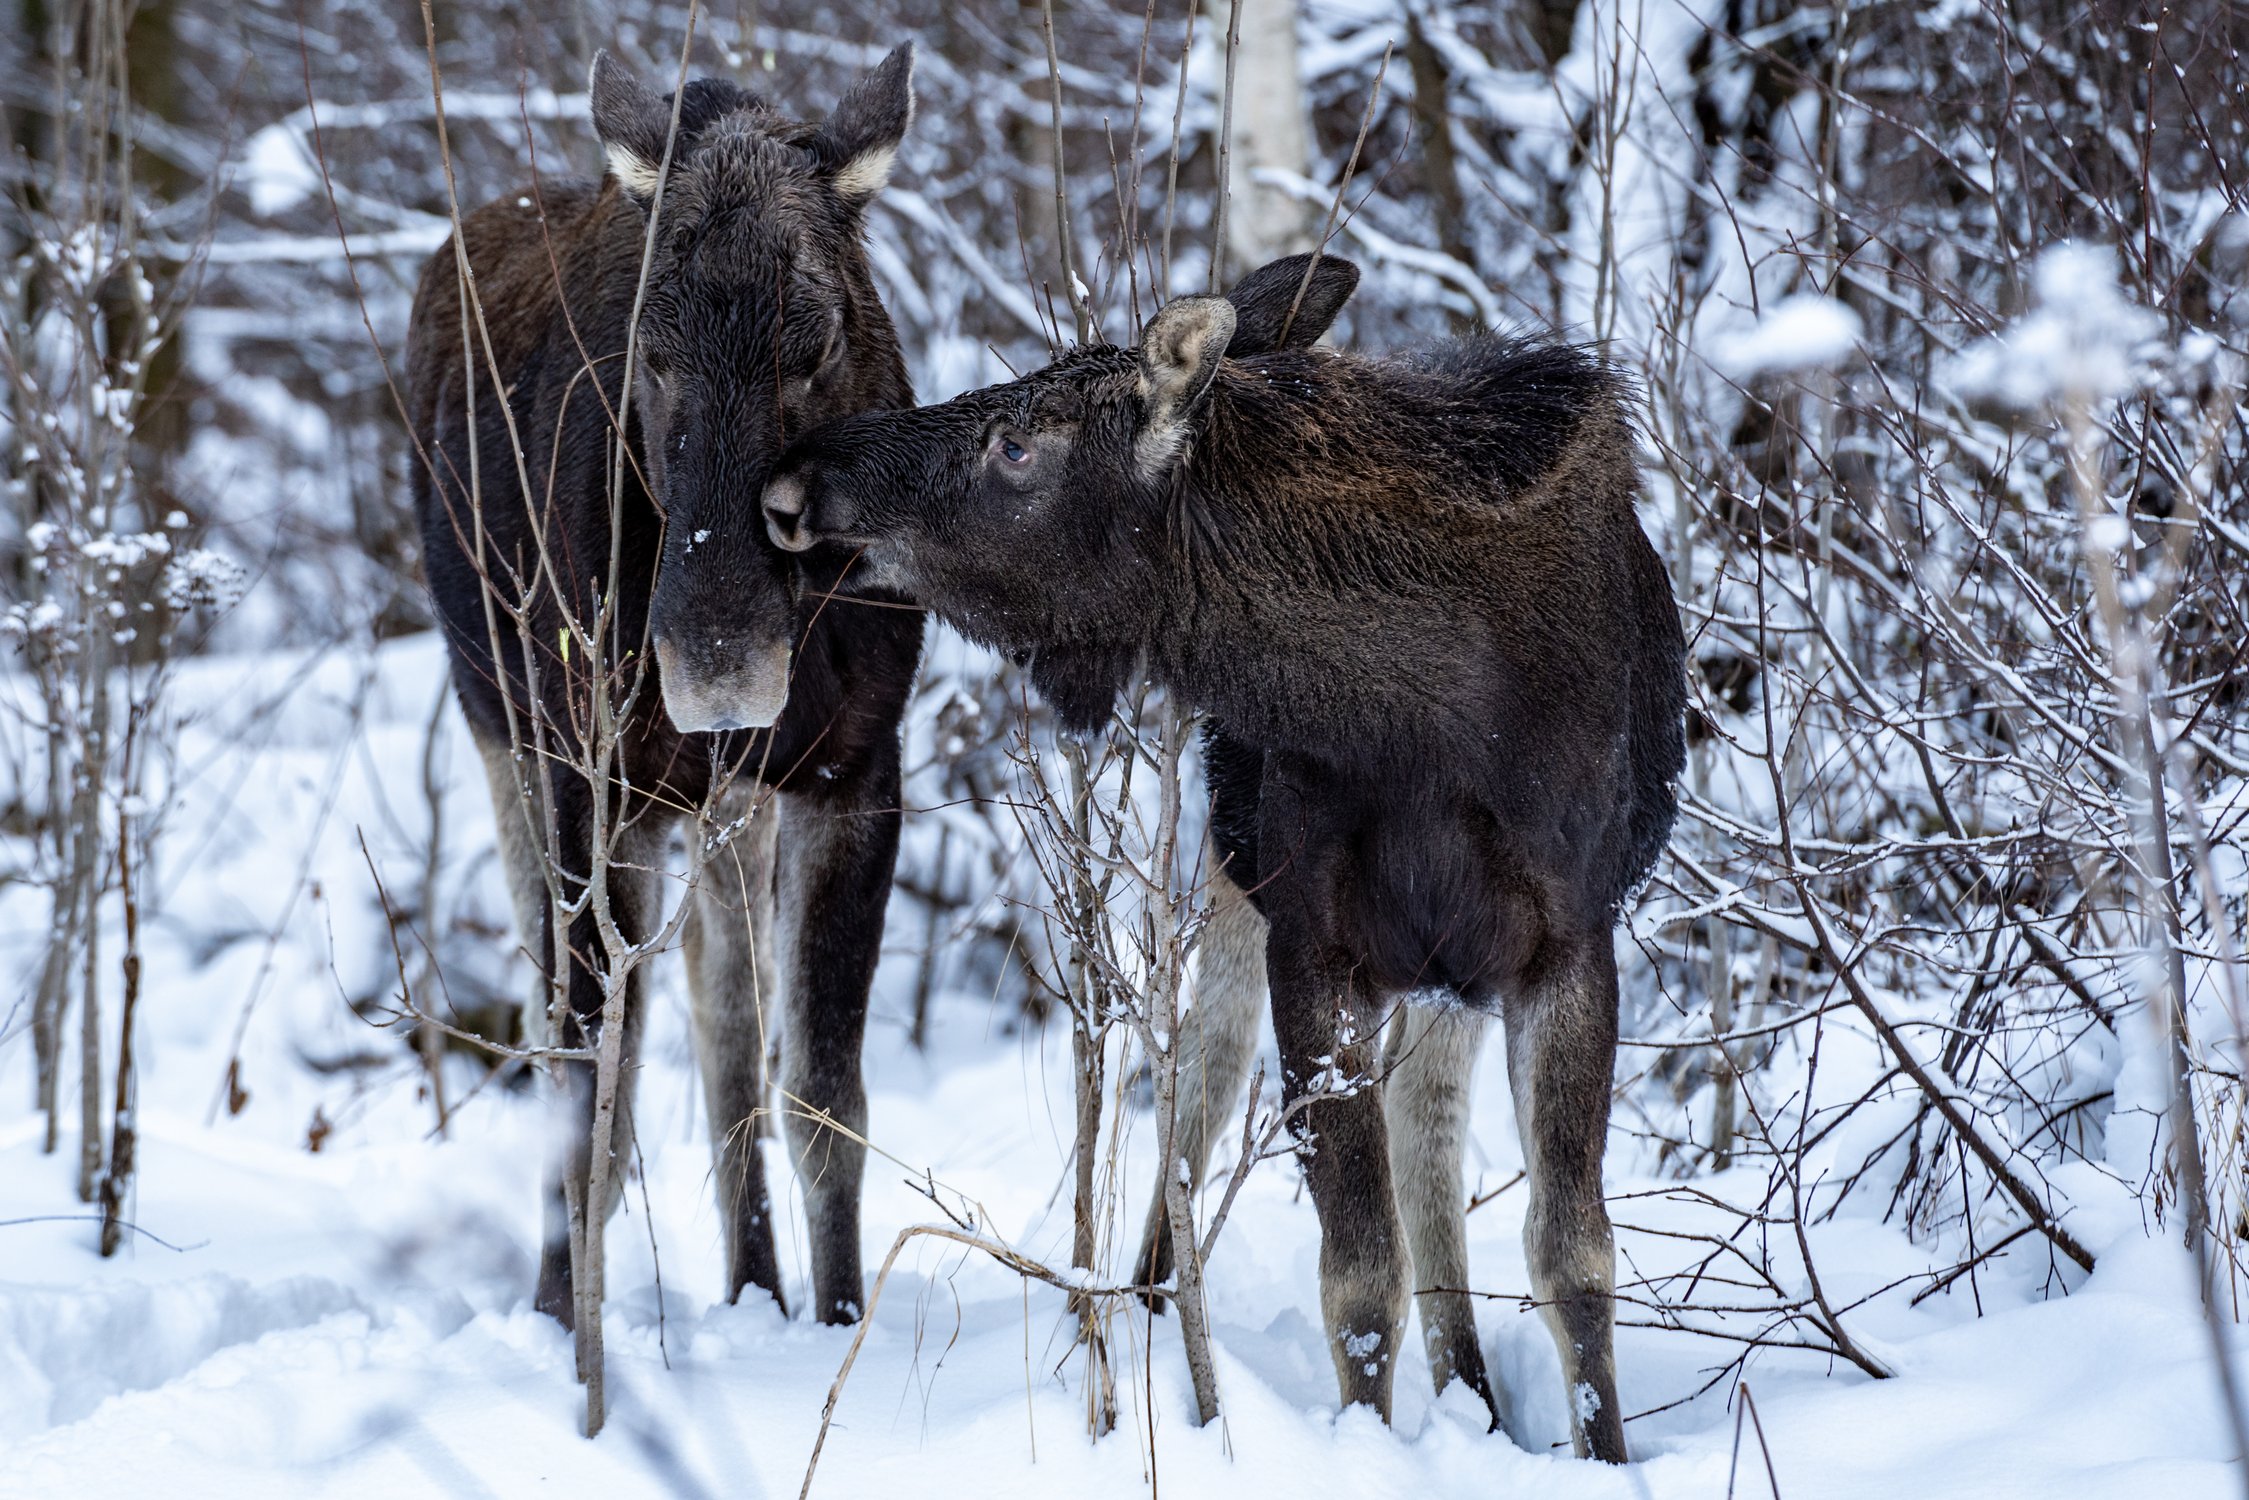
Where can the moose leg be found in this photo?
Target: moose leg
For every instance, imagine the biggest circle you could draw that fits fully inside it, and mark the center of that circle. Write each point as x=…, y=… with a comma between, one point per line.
x=1561, y=1056
x=728, y=942
x=633, y=894
x=1216, y=1039
x=1330, y=1037
x=839, y=849
x=522, y=859
x=1430, y=1062
x=520, y=825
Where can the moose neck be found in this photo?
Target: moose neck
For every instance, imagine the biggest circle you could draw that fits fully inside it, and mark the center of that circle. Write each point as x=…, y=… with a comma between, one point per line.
x=1302, y=599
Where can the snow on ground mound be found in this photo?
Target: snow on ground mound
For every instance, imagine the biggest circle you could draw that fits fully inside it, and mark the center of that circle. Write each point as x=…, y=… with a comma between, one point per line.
x=355, y=1321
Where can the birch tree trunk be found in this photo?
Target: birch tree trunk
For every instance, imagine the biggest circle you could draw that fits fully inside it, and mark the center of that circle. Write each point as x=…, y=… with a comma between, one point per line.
x=1271, y=129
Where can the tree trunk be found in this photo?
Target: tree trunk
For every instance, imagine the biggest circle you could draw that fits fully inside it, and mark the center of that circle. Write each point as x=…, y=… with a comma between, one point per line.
x=1271, y=130
x=1433, y=130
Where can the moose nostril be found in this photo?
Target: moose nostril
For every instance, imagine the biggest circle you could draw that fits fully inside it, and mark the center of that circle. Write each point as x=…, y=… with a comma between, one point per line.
x=788, y=532
x=784, y=514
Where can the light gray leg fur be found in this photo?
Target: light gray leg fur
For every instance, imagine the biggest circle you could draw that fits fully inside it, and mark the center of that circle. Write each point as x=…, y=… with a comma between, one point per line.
x=727, y=940
x=524, y=864
x=1561, y=1057
x=636, y=901
x=1217, y=1038
x=1430, y=1064
x=835, y=864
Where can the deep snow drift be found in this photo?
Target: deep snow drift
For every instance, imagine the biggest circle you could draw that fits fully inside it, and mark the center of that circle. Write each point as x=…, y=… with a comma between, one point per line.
x=355, y=1321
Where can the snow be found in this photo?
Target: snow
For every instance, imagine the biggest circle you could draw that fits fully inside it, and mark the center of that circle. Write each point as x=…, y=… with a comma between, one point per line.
x=1798, y=333
x=277, y=171
x=324, y=1297
x=280, y=168
x=355, y=1320
x=2084, y=342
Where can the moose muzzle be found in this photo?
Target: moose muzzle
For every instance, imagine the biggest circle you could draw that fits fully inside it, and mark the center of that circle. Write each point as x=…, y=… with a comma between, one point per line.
x=716, y=687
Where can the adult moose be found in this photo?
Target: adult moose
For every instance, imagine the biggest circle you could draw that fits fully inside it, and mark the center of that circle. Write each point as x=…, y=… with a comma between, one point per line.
x=1417, y=591
x=759, y=318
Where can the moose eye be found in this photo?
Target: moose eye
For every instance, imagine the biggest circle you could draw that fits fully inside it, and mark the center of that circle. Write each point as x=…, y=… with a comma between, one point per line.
x=1013, y=451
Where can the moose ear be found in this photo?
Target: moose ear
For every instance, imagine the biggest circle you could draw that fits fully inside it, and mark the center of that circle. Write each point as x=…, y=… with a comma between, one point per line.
x=632, y=122
x=1265, y=299
x=1179, y=354
x=863, y=133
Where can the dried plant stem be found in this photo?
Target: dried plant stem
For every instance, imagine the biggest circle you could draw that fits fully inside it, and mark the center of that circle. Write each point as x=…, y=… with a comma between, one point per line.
x=1171, y=165
x=2133, y=676
x=1225, y=149
x=124, y=1125
x=1942, y=1094
x=1015, y=1261
x=1063, y=235
x=1161, y=1036
x=429, y=1040
x=1343, y=186
x=86, y=883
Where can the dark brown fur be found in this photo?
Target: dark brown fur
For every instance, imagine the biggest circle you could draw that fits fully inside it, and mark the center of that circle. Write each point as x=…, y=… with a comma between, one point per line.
x=761, y=318
x=1415, y=594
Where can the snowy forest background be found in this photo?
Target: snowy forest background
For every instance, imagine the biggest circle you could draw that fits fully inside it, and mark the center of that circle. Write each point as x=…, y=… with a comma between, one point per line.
x=1939, y=308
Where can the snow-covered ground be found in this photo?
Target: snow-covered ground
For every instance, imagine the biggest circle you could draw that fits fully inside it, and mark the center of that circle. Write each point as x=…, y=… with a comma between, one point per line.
x=354, y=1320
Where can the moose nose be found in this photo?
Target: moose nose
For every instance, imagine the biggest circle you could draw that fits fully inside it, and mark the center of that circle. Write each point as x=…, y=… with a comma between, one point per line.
x=709, y=692
x=784, y=514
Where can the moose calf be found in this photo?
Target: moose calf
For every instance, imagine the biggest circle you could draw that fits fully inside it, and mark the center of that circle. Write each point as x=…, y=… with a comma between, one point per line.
x=1413, y=594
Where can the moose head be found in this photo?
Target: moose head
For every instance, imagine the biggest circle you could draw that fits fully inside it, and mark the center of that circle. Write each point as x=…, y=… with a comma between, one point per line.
x=759, y=320
x=1033, y=514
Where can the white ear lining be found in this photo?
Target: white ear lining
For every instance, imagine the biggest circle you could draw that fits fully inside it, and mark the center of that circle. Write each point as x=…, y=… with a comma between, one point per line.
x=866, y=174
x=1165, y=436
x=636, y=173
x=1160, y=444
